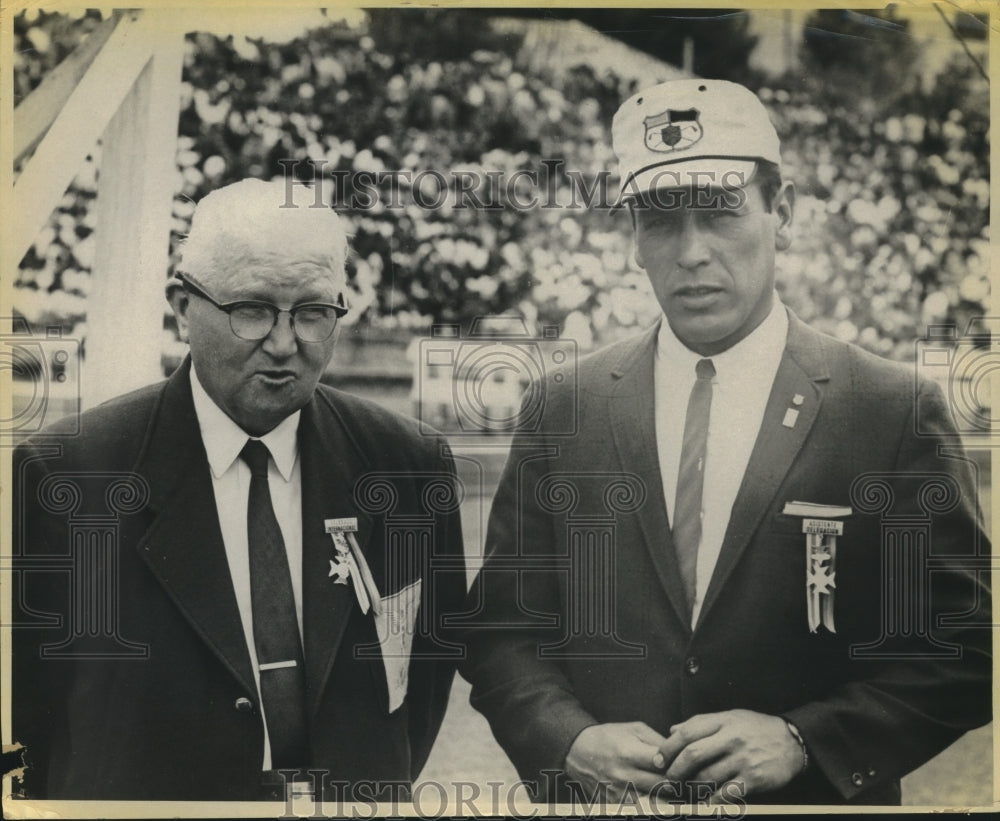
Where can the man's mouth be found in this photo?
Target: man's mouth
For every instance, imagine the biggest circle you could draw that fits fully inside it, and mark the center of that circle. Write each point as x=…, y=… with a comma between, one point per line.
x=277, y=377
x=697, y=293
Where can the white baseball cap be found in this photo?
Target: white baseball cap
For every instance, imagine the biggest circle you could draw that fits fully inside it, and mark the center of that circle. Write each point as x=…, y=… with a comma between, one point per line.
x=692, y=133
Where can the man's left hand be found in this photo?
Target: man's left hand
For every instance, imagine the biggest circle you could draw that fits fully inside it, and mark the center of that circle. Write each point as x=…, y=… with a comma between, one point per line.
x=752, y=749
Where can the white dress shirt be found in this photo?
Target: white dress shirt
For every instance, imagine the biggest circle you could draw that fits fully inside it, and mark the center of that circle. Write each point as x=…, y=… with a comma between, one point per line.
x=224, y=440
x=744, y=375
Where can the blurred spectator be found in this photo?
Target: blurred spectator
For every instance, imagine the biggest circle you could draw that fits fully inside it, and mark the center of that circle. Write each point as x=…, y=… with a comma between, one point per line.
x=892, y=214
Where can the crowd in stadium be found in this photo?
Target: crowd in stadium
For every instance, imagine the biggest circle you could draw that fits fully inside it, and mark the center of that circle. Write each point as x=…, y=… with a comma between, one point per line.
x=892, y=208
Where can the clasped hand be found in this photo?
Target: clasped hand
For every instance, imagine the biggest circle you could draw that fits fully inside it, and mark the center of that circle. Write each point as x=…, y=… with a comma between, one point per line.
x=754, y=751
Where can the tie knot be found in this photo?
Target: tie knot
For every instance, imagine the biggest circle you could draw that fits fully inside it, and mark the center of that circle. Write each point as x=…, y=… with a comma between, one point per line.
x=705, y=369
x=256, y=454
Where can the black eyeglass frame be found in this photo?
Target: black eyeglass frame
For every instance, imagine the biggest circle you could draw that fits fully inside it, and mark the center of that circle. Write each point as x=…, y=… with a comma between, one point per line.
x=340, y=309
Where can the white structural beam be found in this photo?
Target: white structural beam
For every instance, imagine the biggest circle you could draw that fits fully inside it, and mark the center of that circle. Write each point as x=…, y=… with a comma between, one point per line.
x=40, y=108
x=134, y=201
x=60, y=154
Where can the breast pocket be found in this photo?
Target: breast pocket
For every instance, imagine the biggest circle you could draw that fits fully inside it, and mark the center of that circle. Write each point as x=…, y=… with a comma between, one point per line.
x=395, y=624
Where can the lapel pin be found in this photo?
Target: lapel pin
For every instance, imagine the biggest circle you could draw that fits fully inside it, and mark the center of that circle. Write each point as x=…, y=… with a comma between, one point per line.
x=350, y=563
x=798, y=399
x=791, y=417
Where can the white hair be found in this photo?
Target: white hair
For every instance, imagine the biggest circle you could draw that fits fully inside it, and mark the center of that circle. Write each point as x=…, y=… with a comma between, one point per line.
x=253, y=225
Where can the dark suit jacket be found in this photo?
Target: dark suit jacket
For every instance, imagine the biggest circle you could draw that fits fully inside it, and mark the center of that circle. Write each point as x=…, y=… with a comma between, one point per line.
x=145, y=695
x=580, y=607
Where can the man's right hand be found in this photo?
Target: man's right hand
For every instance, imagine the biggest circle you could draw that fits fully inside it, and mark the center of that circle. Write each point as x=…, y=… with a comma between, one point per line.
x=616, y=755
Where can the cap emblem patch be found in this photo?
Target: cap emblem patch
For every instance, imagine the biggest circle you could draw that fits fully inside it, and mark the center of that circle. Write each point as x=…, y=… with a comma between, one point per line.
x=672, y=130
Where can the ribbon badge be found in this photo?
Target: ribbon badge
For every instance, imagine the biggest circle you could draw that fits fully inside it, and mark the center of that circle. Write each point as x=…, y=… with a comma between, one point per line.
x=821, y=558
x=350, y=563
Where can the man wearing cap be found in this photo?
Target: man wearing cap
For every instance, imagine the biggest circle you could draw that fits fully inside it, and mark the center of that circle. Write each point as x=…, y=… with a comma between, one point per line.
x=695, y=594
x=212, y=604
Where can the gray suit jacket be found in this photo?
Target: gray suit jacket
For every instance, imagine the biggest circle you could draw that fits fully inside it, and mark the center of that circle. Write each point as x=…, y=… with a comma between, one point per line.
x=580, y=609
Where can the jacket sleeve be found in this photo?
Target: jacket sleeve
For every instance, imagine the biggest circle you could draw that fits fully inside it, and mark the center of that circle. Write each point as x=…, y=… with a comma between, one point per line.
x=40, y=599
x=435, y=650
x=903, y=711
x=516, y=607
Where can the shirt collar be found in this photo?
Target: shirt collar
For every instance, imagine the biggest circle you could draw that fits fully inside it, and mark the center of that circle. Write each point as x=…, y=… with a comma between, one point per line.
x=762, y=346
x=224, y=439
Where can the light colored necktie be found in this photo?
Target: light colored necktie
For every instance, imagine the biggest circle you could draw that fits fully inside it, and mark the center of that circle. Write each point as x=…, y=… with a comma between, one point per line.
x=691, y=479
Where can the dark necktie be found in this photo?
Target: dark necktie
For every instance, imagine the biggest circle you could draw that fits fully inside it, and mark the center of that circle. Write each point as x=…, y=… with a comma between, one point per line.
x=275, y=626
x=691, y=478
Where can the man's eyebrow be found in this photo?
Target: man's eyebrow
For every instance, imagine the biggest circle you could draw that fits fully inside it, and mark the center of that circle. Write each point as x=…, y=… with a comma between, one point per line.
x=254, y=295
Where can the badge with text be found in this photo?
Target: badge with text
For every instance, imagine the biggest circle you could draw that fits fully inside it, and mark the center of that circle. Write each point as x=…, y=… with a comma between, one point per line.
x=821, y=526
x=350, y=563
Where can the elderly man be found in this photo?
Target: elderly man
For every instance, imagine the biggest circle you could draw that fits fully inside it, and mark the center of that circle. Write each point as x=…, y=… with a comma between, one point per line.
x=696, y=595
x=257, y=613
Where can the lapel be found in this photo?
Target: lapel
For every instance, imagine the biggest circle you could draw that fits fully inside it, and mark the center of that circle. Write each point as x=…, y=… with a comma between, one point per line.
x=631, y=411
x=332, y=462
x=183, y=546
x=802, y=371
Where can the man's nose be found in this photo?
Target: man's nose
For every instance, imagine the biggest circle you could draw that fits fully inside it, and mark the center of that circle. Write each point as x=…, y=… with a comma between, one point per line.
x=692, y=249
x=281, y=342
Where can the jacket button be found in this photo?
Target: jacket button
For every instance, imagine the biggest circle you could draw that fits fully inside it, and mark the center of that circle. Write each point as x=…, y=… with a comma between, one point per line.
x=244, y=705
x=872, y=772
x=692, y=665
x=857, y=779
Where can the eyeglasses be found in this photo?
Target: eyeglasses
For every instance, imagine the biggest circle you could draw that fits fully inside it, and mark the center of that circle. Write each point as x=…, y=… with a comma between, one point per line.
x=253, y=320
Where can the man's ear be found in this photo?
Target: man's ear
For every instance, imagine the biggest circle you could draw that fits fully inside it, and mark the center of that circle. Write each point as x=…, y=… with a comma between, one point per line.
x=636, y=253
x=180, y=301
x=784, y=210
